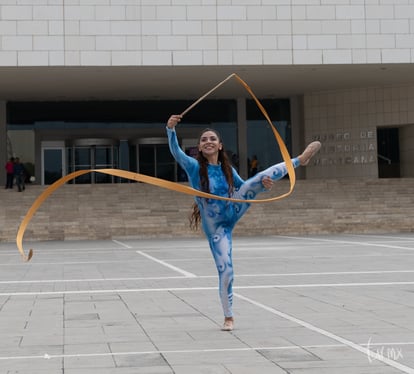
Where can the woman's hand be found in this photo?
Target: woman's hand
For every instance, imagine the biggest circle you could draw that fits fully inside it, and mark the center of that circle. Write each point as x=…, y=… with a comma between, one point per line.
x=267, y=183
x=174, y=120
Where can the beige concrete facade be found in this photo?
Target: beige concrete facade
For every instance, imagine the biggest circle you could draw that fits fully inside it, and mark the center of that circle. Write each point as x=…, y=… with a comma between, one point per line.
x=346, y=65
x=346, y=121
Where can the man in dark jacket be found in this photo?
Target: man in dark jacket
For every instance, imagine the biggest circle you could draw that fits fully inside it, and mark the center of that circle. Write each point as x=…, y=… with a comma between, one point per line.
x=19, y=174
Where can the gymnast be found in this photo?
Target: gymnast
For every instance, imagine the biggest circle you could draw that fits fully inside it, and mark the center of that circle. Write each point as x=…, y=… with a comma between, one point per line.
x=211, y=171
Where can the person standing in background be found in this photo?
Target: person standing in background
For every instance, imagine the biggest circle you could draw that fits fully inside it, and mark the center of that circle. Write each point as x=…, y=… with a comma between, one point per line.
x=19, y=174
x=254, y=164
x=10, y=173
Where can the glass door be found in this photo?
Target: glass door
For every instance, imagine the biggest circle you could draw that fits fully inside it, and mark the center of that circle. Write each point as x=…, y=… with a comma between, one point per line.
x=165, y=163
x=104, y=159
x=86, y=154
x=388, y=152
x=154, y=159
x=82, y=160
x=53, y=163
x=146, y=157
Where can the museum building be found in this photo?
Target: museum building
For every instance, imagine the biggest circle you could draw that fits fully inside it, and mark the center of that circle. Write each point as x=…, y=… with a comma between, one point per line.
x=89, y=84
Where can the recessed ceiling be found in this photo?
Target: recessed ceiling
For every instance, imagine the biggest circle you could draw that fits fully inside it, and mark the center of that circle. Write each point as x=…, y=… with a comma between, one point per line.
x=190, y=82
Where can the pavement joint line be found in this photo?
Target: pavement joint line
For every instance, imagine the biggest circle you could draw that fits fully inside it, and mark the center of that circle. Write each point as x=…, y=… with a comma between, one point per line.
x=207, y=258
x=195, y=351
x=121, y=244
x=11, y=252
x=172, y=267
x=328, y=273
x=242, y=247
x=60, y=252
x=371, y=355
x=69, y=263
x=62, y=249
x=176, y=289
x=350, y=242
x=268, y=275
x=93, y=280
x=402, y=238
x=290, y=257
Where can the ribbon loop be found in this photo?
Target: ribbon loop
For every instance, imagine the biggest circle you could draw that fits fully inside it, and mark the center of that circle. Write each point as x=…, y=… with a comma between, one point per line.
x=161, y=182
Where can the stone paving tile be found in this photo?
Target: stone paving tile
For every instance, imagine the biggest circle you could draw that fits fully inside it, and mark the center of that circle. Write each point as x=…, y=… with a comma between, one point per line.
x=123, y=370
x=37, y=366
x=140, y=361
x=291, y=355
x=81, y=362
x=270, y=368
x=344, y=370
x=204, y=369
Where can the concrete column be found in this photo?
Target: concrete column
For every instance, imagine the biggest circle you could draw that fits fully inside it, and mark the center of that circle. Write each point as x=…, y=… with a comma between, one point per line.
x=38, y=157
x=3, y=143
x=406, y=140
x=123, y=157
x=298, y=130
x=242, y=137
x=123, y=154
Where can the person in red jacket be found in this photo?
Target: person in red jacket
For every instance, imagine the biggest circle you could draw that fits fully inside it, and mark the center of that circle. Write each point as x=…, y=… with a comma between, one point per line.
x=10, y=173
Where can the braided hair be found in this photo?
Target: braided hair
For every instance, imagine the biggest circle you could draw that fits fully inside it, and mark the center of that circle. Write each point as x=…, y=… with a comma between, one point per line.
x=195, y=216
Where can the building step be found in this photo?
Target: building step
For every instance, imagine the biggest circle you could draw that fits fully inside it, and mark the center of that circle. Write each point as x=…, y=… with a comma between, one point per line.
x=137, y=210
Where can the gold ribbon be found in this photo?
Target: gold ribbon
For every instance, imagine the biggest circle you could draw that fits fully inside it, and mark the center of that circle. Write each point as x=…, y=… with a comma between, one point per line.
x=161, y=182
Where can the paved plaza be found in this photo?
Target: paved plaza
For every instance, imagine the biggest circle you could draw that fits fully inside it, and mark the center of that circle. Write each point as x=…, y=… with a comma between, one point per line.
x=337, y=304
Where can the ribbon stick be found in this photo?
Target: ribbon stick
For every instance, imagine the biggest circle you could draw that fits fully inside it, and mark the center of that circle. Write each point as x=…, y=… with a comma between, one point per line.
x=161, y=182
x=207, y=94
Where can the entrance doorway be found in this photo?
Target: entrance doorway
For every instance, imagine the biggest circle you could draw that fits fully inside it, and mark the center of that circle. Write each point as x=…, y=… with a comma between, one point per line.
x=53, y=161
x=388, y=152
x=87, y=154
x=154, y=158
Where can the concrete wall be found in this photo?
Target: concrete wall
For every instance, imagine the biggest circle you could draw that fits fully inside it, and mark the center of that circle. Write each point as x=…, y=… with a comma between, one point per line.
x=407, y=151
x=3, y=146
x=23, y=145
x=346, y=122
x=204, y=32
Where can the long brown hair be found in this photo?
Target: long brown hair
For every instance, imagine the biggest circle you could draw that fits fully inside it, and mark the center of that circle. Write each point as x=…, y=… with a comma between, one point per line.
x=195, y=217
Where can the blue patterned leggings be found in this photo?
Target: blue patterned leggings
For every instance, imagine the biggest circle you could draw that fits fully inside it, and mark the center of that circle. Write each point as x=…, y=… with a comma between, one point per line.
x=220, y=235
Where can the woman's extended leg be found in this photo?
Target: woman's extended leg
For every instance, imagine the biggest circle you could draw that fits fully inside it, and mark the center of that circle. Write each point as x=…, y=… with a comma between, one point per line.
x=254, y=185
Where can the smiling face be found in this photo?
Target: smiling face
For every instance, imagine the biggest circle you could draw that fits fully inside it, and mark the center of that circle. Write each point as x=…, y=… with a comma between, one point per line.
x=210, y=145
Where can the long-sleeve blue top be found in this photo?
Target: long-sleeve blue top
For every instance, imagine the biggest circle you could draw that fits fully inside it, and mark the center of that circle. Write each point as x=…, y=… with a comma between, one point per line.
x=213, y=212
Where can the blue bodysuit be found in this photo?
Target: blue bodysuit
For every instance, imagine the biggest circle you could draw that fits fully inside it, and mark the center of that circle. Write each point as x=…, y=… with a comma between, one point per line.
x=218, y=217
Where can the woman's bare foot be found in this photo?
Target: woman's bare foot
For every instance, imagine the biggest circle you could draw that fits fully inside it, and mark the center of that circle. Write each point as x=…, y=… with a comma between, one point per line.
x=310, y=151
x=228, y=324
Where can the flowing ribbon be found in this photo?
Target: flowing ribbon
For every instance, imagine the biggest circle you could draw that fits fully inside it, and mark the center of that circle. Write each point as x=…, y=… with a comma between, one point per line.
x=161, y=182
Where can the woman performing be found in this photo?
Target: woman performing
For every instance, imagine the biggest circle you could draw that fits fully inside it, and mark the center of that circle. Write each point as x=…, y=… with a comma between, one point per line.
x=211, y=171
